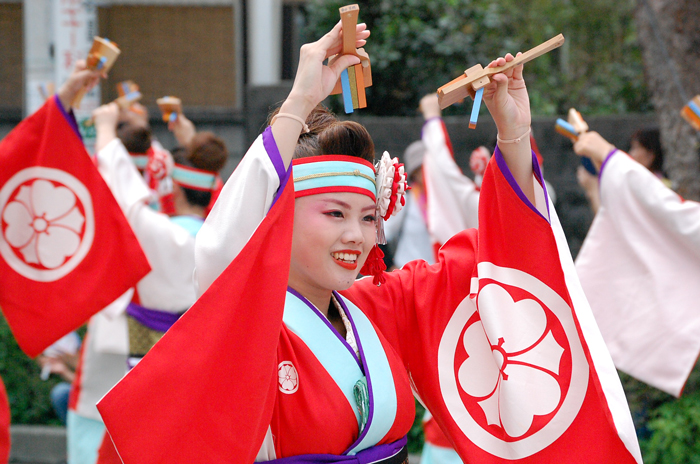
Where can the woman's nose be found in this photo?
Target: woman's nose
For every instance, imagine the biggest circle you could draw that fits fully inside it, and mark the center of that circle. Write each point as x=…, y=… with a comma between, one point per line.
x=353, y=233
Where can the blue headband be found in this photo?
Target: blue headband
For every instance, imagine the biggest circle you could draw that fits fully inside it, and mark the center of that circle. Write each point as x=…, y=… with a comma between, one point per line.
x=333, y=173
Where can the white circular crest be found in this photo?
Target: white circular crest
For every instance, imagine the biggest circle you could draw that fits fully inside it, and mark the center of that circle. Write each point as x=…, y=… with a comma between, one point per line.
x=534, y=389
x=47, y=223
x=288, y=377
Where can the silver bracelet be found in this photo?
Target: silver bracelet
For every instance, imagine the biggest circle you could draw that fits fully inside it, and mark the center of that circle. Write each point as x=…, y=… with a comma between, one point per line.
x=515, y=140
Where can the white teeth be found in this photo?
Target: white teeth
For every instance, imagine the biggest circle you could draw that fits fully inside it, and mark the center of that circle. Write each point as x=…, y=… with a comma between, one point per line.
x=348, y=257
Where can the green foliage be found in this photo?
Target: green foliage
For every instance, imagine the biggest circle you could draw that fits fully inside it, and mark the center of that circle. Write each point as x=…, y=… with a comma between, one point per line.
x=28, y=394
x=668, y=428
x=415, y=435
x=675, y=428
x=418, y=45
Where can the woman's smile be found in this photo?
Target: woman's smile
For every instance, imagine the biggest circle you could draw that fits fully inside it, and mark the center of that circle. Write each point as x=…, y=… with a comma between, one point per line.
x=346, y=258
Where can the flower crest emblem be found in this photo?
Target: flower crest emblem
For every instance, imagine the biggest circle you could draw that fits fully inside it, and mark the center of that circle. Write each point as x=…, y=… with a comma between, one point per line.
x=511, y=365
x=47, y=223
x=288, y=377
x=519, y=360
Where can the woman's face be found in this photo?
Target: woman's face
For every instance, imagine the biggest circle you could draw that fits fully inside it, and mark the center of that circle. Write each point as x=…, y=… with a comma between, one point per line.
x=333, y=234
x=641, y=154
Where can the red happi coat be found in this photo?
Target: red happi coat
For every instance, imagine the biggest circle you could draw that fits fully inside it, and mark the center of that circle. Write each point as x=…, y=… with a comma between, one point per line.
x=4, y=425
x=496, y=339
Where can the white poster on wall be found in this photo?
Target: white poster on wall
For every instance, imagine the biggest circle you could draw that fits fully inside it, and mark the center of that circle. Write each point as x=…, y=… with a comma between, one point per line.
x=74, y=27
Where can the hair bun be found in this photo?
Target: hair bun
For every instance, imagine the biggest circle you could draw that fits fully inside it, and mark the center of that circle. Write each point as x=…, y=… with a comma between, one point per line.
x=347, y=138
x=207, y=151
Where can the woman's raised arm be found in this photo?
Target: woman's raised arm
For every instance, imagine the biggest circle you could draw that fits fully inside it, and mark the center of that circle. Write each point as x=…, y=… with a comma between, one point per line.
x=314, y=81
x=509, y=104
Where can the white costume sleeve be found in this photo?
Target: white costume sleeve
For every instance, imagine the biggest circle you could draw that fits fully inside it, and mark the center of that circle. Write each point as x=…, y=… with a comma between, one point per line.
x=168, y=247
x=624, y=180
x=637, y=266
x=453, y=199
x=243, y=203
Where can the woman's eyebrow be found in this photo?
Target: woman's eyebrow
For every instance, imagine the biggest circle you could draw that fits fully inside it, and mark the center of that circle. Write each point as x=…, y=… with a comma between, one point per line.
x=338, y=202
x=345, y=205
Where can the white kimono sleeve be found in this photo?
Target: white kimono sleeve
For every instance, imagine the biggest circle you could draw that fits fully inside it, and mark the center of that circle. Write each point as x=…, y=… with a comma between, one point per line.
x=243, y=203
x=626, y=182
x=453, y=199
x=637, y=267
x=169, y=248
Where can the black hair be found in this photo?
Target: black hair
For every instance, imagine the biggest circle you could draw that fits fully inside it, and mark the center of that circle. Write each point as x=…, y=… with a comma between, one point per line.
x=650, y=138
x=136, y=139
x=329, y=136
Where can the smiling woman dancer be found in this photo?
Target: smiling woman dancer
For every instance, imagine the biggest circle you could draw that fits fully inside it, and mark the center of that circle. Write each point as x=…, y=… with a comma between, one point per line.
x=286, y=356
x=334, y=233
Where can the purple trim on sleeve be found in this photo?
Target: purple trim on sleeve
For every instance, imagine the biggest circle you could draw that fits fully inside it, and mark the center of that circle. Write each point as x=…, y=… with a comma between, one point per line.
x=160, y=321
x=605, y=161
x=538, y=173
x=375, y=454
x=365, y=370
x=276, y=158
x=503, y=166
x=426, y=122
x=70, y=117
x=274, y=153
x=328, y=323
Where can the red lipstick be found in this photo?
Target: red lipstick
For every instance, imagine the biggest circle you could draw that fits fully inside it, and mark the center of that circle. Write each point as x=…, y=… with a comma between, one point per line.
x=350, y=266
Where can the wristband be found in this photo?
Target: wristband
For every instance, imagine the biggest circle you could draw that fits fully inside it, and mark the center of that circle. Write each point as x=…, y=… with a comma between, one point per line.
x=304, y=126
x=515, y=140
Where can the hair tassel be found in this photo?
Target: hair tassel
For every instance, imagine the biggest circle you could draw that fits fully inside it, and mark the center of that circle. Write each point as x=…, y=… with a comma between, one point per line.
x=374, y=266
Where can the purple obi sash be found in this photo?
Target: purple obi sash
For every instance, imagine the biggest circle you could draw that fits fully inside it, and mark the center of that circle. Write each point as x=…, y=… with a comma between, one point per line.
x=152, y=318
x=391, y=453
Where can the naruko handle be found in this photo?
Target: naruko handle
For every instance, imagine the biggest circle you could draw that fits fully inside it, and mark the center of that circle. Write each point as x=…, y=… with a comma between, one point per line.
x=541, y=49
x=348, y=17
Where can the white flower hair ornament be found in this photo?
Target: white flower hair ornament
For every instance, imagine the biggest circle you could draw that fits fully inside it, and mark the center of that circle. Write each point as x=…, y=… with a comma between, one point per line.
x=391, y=186
x=391, y=191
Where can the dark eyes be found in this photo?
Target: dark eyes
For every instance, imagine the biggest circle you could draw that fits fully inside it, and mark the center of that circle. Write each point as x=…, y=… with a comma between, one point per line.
x=339, y=214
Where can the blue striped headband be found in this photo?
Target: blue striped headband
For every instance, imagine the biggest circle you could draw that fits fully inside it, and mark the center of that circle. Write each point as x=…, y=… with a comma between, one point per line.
x=140, y=160
x=193, y=178
x=333, y=173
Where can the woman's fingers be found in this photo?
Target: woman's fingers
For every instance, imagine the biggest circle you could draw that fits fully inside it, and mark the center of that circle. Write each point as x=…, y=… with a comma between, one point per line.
x=501, y=90
x=518, y=70
x=361, y=35
x=515, y=72
x=329, y=39
x=342, y=63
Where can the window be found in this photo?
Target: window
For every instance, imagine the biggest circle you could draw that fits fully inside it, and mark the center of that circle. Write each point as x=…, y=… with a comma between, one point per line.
x=184, y=51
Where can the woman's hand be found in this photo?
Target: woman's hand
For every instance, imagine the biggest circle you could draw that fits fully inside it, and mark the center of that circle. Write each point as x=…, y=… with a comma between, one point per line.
x=507, y=100
x=509, y=104
x=313, y=83
x=82, y=77
x=314, y=80
x=183, y=129
x=430, y=106
x=594, y=146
